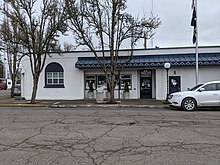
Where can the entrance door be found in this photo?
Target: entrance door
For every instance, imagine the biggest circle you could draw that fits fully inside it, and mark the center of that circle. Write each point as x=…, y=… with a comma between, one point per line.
x=174, y=84
x=146, y=84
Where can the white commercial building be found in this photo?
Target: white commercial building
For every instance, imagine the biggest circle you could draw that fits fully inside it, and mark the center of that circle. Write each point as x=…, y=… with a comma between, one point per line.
x=66, y=74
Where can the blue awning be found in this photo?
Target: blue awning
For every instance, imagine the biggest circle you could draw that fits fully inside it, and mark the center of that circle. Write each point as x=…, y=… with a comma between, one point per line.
x=144, y=61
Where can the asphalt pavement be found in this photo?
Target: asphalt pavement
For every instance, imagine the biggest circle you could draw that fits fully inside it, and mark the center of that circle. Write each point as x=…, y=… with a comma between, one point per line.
x=108, y=136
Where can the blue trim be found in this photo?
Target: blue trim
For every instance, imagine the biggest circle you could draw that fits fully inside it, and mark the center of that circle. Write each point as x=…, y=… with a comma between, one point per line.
x=205, y=59
x=54, y=86
x=54, y=67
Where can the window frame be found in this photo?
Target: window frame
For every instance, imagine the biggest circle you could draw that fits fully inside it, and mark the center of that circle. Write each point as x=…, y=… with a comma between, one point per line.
x=90, y=78
x=53, y=69
x=125, y=79
x=59, y=78
x=99, y=82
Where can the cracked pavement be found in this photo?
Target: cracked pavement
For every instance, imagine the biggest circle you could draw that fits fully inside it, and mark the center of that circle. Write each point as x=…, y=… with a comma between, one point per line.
x=107, y=136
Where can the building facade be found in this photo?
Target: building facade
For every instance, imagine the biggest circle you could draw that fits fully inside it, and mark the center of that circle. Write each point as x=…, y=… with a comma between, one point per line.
x=66, y=75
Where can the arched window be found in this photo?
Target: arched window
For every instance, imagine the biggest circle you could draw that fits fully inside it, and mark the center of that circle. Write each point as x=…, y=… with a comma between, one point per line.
x=54, y=76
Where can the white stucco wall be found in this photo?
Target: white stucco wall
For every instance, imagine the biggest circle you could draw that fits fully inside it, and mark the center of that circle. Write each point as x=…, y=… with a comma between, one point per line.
x=73, y=81
x=26, y=78
x=74, y=78
x=160, y=84
x=206, y=73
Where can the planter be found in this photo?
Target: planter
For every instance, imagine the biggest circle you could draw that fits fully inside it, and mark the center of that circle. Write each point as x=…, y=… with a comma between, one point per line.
x=90, y=95
x=126, y=95
x=99, y=97
x=108, y=95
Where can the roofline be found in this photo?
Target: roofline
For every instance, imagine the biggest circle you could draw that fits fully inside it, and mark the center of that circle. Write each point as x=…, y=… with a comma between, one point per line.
x=156, y=48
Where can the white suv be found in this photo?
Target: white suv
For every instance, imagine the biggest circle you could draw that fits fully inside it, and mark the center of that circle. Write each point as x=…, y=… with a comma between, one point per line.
x=202, y=95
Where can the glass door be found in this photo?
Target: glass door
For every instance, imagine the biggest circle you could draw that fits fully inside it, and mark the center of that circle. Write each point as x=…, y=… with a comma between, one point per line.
x=146, y=84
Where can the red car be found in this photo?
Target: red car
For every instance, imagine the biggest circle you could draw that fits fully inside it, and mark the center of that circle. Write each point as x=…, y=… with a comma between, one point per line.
x=3, y=86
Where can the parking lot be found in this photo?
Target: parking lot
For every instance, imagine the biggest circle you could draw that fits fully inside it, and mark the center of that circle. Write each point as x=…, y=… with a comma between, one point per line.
x=111, y=135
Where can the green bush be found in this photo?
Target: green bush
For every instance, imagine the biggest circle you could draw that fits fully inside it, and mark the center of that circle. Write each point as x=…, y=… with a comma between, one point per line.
x=91, y=89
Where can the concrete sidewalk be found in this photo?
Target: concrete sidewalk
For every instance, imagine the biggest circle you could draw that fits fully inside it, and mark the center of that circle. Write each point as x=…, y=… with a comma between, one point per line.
x=7, y=101
x=138, y=103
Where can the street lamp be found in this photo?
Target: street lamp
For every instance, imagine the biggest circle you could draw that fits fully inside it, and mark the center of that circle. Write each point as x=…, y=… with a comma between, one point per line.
x=167, y=66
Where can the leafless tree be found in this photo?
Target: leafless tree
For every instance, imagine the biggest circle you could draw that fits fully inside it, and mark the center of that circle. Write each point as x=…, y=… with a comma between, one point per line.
x=40, y=22
x=1, y=69
x=68, y=46
x=10, y=44
x=105, y=25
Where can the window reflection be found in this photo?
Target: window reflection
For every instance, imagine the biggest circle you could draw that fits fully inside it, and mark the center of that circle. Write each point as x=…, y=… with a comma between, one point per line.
x=99, y=81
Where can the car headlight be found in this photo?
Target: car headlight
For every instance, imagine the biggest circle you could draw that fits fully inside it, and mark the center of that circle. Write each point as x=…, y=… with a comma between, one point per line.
x=170, y=96
x=175, y=96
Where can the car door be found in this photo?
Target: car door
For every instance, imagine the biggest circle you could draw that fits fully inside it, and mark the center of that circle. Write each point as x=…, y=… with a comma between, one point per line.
x=218, y=91
x=208, y=95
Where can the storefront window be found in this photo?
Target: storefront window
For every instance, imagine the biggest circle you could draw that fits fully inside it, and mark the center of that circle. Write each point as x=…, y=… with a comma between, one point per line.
x=90, y=79
x=99, y=81
x=126, y=79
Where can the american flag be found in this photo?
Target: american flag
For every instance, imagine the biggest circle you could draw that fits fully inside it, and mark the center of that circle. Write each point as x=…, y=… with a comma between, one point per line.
x=194, y=22
x=193, y=4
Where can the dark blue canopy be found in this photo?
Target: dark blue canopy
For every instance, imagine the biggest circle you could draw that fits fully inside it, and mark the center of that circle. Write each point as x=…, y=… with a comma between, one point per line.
x=143, y=61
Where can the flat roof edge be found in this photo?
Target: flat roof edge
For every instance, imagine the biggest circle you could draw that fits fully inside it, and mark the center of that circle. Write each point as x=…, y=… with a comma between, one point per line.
x=124, y=49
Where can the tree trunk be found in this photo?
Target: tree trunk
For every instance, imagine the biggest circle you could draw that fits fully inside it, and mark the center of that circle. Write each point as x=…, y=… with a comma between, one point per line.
x=112, y=96
x=13, y=85
x=112, y=91
x=14, y=70
x=34, y=91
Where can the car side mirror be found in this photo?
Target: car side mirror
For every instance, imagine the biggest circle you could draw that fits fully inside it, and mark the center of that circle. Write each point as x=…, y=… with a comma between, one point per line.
x=201, y=89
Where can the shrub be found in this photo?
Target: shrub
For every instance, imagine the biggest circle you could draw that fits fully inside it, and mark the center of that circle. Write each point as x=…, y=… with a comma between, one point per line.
x=126, y=89
x=91, y=89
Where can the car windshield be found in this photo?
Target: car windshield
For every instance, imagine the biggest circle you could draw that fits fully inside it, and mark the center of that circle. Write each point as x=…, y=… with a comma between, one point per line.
x=195, y=87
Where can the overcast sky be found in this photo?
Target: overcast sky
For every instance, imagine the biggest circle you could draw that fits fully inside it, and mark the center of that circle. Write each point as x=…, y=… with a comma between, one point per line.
x=175, y=15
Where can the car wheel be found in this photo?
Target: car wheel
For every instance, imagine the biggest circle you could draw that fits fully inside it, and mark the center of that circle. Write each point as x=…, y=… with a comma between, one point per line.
x=189, y=104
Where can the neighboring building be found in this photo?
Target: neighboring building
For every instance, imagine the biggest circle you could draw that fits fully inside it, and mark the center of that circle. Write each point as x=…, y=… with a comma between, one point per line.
x=66, y=75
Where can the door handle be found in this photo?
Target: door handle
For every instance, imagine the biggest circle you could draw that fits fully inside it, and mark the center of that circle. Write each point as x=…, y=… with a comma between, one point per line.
x=215, y=94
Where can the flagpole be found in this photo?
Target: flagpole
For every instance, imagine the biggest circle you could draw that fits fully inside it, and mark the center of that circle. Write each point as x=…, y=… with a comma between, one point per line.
x=197, y=49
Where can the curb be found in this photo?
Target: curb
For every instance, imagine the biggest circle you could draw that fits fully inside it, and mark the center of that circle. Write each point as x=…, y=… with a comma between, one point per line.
x=81, y=105
x=105, y=106
x=24, y=105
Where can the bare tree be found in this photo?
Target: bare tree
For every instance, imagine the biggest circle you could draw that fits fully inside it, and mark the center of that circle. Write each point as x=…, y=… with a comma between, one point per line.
x=1, y=69
x=68, y=47
x=40, y=23
x=10, y=36
x=105, y=25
